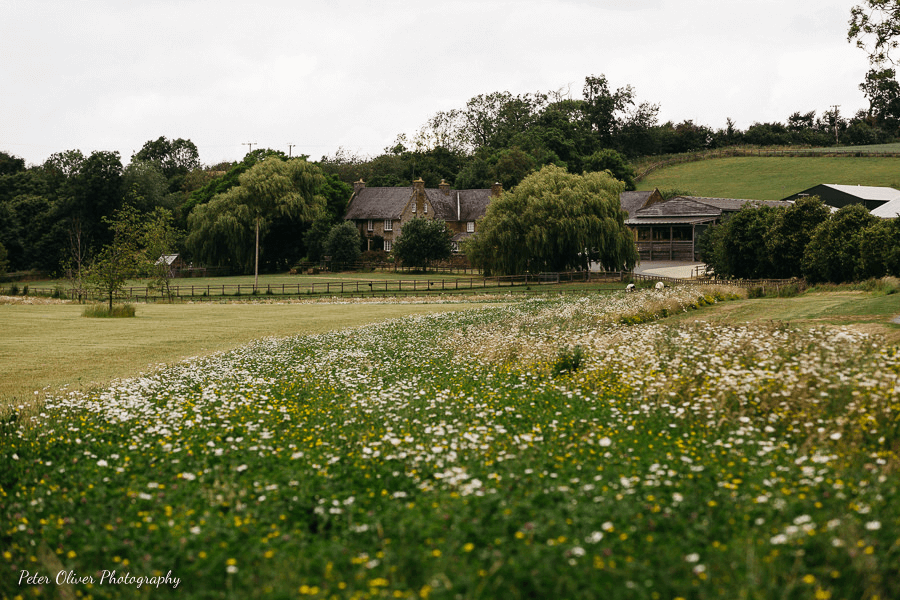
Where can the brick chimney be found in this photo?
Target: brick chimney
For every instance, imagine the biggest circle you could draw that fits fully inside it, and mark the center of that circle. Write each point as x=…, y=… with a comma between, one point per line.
x=496, y=189
x=358, y=185
x=445, y=187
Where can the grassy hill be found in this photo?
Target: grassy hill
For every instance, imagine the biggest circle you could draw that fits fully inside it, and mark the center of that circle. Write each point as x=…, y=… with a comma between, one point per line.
x=772, y=178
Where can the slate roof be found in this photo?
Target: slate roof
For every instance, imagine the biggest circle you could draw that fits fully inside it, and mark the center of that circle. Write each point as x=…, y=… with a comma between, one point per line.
x=677, y=207
x=472, y=203
x=632, y=201
x=735, y=204
x=693, y=209
x=388, y=203
x=378, y=203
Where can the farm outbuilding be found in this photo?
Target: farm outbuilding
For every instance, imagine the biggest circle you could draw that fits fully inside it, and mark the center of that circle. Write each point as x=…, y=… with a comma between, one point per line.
x=839, y=196
x=670, y=229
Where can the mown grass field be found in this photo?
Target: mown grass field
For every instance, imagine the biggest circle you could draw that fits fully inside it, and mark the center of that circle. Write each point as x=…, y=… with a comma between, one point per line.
x=276, y=279
x=767, y=178
x=476, y=454
x=51, y=346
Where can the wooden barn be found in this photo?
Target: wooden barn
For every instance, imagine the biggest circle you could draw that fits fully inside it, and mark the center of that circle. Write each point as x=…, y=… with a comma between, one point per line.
x=670, y=229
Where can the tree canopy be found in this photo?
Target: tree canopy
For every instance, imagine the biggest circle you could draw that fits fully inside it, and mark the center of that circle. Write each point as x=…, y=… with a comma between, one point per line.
x=553, y=221
x=270, y=189
x=423, y=241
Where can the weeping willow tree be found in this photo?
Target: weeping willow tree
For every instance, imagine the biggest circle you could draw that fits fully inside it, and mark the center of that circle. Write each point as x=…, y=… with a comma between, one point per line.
x=228, y=229
x=555, y=221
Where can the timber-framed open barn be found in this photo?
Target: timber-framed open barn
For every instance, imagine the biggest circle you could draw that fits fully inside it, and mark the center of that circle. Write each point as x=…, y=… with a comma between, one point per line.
x=670, y=229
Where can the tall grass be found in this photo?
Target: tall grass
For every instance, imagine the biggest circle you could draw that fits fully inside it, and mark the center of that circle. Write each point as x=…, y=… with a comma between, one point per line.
x=443, y=457
x=102, y=311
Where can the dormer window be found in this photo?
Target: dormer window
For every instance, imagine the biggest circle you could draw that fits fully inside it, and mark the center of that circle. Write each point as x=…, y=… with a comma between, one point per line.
x=470, y=226
x=370, y=226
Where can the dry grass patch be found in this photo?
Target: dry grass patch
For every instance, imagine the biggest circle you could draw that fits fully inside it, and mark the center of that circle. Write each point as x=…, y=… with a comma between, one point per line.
x=48, y=347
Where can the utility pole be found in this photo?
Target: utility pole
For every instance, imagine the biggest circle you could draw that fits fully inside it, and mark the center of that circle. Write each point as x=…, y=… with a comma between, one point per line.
x=835, y=107
x=289, y=149
x=251, y=144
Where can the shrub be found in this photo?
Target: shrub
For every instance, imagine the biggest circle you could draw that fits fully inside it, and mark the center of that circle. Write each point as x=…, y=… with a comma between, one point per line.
x=569, y=360
x=14, y=290
x=102, y=311
x=25, y=290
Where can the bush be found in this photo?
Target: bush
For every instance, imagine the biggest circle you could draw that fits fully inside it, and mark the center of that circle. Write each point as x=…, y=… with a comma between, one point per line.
x=102, y=311
x=569, y=360
x=14, y=290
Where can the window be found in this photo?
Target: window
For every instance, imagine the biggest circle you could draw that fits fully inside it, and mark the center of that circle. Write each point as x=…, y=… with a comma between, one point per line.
x=414, y=207
x=387, y=245
x=388, y=225
x=470, y=226
x=371, y=225
x=426, y=208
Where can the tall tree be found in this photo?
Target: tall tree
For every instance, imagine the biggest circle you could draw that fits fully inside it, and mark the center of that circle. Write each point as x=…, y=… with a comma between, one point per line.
x=270, y=189
x=174, y=158
x=552, y=221
x=120, y=259
x=874, y=26
x=422, y=242
x=790, y=234
x=833, y=253
x=883, y=91
x=342, y=244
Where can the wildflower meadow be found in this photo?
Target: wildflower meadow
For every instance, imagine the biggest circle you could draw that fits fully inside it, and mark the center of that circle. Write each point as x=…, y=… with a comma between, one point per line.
x=565, y=447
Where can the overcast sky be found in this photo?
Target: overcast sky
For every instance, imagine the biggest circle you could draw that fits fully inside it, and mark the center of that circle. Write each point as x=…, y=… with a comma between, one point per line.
x=112, y=74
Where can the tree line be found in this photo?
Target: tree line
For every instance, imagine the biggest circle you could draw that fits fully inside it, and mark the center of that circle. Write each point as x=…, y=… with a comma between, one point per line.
x=804, y=240
x=52, y=215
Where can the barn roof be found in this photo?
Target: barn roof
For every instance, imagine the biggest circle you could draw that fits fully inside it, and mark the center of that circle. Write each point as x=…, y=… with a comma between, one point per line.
x=889, y=210
x=633, y=201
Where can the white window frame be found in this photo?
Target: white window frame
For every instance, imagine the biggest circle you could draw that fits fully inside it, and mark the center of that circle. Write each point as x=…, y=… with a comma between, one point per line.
x=470, y=226
x=387, y=245
x=388, y=225
x=370, y=226
x=414, y=207
x=426, y=207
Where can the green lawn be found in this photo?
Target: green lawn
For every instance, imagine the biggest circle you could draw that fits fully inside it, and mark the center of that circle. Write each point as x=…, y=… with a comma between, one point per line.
x=277, y=279
x=865, y=311
x=766, y=178
x=51, y=346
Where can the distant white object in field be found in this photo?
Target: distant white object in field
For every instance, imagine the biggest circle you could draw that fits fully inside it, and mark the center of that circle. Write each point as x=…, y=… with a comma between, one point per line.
x=660, y=285
x=629, y=287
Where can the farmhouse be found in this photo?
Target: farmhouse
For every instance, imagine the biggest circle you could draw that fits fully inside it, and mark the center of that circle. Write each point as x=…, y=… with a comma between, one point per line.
x=839, y=196
x=380, y=212
x=669, y=229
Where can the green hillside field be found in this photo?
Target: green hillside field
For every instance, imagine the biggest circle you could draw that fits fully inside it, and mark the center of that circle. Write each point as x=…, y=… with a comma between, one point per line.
x=771, y=178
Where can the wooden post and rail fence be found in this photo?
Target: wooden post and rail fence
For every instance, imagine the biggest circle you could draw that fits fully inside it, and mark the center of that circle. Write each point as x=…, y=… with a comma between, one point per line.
x=396, y=287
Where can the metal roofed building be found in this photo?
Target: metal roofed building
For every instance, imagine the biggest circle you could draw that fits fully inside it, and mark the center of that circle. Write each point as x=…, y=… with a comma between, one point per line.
x=839, y=196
